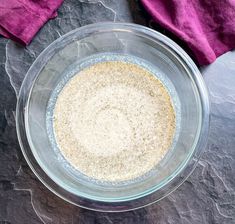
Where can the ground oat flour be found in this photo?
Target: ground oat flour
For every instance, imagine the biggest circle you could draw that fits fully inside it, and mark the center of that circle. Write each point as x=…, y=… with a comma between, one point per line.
x=114, y=121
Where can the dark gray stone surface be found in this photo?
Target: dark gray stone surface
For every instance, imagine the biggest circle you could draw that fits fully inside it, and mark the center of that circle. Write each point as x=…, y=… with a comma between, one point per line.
x=208, y=196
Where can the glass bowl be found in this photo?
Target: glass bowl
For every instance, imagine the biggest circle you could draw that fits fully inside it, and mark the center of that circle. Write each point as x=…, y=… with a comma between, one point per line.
x=123, y=39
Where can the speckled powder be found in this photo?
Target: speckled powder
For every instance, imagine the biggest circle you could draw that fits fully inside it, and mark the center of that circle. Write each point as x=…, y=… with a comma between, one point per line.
x=114, y=121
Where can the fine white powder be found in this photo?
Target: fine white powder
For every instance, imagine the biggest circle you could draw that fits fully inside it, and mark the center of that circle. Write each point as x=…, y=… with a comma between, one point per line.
x=114, y=121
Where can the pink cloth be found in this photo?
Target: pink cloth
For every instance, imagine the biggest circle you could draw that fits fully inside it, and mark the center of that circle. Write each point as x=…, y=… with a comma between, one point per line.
x=206, y=26
x=20, y=20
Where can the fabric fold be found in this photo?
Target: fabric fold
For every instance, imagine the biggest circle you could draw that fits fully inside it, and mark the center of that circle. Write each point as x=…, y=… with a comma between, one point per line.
x=206, y=27
x=20, y=20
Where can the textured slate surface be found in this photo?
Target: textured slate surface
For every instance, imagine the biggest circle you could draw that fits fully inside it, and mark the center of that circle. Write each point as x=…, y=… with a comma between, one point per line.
x=208, y=196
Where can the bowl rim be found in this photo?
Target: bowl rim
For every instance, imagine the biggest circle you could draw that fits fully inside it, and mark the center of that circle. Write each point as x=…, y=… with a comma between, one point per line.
x=156, y=194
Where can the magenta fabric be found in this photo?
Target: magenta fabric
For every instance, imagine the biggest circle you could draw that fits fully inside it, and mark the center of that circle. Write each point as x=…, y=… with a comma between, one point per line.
x=206, y=26
x=20, y=20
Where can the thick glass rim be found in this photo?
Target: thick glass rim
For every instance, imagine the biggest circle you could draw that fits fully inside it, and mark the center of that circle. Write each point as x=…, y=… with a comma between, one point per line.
x=152, y=195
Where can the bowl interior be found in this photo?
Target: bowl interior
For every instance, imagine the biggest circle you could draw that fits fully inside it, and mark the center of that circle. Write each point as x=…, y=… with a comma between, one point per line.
x=122, y=42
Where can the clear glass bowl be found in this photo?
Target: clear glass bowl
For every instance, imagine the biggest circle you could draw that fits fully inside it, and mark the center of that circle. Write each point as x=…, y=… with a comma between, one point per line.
x=123, y=39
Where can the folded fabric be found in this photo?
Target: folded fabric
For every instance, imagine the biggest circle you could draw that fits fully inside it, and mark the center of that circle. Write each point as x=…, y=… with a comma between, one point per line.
x=206, y=26
x=20, y=20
